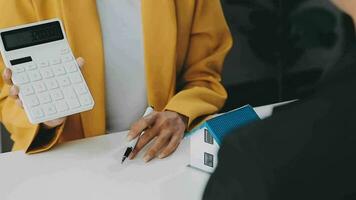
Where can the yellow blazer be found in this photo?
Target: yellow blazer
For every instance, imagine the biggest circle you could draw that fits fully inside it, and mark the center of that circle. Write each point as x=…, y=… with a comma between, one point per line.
x=185, y=44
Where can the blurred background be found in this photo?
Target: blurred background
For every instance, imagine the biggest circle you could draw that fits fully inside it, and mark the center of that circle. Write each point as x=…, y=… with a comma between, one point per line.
x=281, y=50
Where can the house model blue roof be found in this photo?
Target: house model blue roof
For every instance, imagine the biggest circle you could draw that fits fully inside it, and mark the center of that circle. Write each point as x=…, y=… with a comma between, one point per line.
x=226, y=123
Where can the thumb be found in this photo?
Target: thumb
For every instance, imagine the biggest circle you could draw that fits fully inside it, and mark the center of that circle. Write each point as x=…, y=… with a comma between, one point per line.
x=81, y=62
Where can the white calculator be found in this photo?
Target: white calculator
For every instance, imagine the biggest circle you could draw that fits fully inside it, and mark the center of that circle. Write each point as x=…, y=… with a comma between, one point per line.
x=45, y=70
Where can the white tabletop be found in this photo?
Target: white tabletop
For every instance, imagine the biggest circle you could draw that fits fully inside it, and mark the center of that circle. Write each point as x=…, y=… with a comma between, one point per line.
x=91, y=169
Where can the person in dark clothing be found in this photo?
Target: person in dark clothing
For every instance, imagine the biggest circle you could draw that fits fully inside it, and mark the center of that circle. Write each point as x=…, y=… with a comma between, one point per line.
x=306, y=150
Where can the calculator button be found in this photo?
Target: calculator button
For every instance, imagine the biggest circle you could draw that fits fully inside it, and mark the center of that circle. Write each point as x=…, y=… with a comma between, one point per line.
x=35, y=76
x=50, y=109
x=59, y=70
x=69, y=94
x=31, y=66
x=33, y=101
x=65, y=51
x=71, y=67
x=81, y=89
x=76, y=78
x=27, y=90
x=63, y=81
x=56, y=61
x=44, y=98
x=37, y=113
x=47, y=73
x=18, y=69
x=73, y=103
x=85, y=100
x=57, y=95
x=62, y=106
x=43, y=64
x=39, y=87
x=71, y=98
x=68, y=58
x=21, y=78
x=52, y=84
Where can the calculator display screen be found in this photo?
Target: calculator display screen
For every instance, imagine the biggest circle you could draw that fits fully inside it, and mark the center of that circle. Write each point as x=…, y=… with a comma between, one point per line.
x=31, y=36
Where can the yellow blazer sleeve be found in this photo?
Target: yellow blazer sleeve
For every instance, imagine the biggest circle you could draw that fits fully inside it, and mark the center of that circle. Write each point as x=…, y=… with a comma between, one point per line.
x=12, y=116
x=210, y=41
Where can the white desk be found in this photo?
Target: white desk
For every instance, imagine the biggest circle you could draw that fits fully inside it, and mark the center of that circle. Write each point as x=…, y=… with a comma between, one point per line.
x=90, y=169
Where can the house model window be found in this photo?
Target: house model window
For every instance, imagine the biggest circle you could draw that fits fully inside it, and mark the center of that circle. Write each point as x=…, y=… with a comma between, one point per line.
x=207, y=137
x=208, y=159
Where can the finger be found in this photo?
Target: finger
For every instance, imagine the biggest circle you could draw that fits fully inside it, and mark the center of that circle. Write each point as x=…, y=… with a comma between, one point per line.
x=144, y=139
x=81, y=62
x=19, y=103
x=14, y=92
x=7, y=76
x=171, y=147
x=160, y=142
x=54, y=123
x=141, y=125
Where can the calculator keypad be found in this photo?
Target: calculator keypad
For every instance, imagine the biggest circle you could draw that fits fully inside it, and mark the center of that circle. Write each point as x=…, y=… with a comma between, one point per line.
x=27, y=90
x=35, y=76
x=39, y=87
x=52, y=84
x=33, y=101
x=21, y=78
x=52, y=87
x=70, y=67
x=37, y=112
x=43, y=64
x=31, y=66
x=59, y=70
x=57, y=95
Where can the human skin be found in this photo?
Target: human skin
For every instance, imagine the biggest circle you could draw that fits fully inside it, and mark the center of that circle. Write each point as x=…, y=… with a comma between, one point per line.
x=349, y=6
x=166, y=127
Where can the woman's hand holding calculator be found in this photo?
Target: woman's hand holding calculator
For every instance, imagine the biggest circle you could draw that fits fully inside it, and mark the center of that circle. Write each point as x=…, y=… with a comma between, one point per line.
x=14, y=92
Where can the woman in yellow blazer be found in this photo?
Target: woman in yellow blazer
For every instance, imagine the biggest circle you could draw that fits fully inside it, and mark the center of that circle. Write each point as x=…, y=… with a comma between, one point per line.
x=185, y=43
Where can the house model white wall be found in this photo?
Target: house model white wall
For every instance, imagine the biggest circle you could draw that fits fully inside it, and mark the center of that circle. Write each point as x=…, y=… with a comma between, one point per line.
x=203, y=150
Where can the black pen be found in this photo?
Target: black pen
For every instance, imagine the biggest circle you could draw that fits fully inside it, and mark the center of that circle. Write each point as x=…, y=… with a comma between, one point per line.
x=131, y=145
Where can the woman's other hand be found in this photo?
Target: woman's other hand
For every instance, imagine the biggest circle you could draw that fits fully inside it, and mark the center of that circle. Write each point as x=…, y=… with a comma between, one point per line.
x=165, y=128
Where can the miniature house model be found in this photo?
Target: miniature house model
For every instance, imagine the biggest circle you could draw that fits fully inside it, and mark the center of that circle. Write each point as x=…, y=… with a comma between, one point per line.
x=206, y=139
